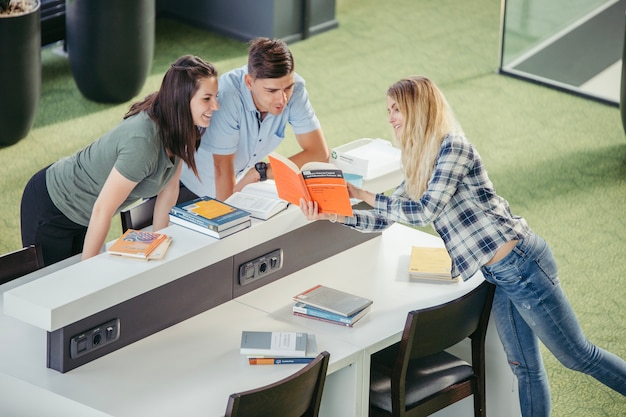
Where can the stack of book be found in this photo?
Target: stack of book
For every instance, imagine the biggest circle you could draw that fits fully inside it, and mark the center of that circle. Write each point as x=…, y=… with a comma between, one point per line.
x=331, y=306
x=278, y=348
x=210, y=216
x=431, y=264
x=140, y=244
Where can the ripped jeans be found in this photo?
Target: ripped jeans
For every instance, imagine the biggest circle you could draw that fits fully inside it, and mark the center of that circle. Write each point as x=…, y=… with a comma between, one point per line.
x=529, y=304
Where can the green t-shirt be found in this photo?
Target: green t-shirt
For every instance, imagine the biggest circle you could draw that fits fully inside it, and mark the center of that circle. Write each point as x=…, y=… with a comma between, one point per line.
x=133, y=147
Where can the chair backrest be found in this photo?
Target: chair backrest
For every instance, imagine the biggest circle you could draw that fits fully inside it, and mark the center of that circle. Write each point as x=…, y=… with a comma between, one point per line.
x=20, y=262
x=297, y=395
x=138, y=216
x=432, y=330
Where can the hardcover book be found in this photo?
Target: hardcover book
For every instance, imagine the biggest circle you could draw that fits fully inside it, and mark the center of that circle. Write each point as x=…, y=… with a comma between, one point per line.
x=335, y=301
x=137, y=244
x=315, y=181
x=207, y=231
x=303, y=310
x=210, y=213
x=431, y=264
x=289, y=344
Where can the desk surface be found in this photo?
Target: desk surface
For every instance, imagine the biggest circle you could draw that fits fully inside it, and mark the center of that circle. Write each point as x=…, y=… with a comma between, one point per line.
x=191, y=368
x=376, y=269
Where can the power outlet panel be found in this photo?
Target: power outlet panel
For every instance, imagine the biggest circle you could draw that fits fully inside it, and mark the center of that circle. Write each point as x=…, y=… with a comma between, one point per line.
x=260, y=267
x=94, y=338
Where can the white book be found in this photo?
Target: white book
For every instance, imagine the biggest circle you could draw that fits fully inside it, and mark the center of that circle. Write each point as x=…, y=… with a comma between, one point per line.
x=209, y=232
x=292, y=344
x=260, y=199
x=333, y=300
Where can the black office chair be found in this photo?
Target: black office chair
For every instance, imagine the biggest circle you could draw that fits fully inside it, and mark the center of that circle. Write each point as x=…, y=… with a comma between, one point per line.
x=298, y=395
x=139, y=215
x=19, y=263
x=416, y=377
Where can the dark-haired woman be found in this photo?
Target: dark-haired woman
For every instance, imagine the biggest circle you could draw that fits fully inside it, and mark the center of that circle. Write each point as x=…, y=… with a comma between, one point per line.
x=67, y=207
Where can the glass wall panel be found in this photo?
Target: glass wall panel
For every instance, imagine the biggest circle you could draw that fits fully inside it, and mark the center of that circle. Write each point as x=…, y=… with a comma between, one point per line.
x=575, y=45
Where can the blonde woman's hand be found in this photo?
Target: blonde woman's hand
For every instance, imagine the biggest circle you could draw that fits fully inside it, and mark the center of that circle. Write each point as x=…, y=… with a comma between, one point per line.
x=361, y=194
x=311, y=212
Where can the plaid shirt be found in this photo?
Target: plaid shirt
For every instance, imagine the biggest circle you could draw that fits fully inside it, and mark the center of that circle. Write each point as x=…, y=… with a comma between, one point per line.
x=461, y=204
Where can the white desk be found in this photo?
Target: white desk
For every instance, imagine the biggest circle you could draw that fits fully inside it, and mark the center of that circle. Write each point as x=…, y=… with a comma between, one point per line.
x=377, y=270
x=191, y=368
x=104, y=281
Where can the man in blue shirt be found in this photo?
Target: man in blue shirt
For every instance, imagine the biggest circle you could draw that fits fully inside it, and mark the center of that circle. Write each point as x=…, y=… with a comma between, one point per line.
x=256, y=103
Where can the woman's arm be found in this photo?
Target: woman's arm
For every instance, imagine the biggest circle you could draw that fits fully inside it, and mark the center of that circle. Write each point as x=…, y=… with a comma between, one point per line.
x=165, y=200
x=224, y=166
x=115, y=191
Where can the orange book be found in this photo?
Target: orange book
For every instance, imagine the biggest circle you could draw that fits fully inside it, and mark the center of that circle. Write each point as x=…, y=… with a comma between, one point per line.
x=137, y=243
x=315, y=181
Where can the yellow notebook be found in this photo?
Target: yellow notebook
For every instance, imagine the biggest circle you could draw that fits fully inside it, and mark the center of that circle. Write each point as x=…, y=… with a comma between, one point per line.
x=431, y=263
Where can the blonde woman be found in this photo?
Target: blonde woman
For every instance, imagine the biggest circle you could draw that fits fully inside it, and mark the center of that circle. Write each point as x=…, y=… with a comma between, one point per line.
x=446, y=185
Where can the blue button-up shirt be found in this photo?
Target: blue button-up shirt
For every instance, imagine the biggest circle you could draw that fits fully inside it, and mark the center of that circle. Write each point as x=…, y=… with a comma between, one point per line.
x=236, y=128
x=461, y=204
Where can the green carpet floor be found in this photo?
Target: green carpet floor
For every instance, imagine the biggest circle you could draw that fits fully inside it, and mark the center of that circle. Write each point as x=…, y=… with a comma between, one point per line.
x=559, y=159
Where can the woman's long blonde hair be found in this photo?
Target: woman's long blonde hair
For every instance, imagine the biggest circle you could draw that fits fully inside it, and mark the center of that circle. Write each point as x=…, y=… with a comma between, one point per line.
x=427, y=120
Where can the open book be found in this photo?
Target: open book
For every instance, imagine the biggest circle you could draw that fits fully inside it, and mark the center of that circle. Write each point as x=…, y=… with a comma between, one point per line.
x=260, y=199
x=315, y=181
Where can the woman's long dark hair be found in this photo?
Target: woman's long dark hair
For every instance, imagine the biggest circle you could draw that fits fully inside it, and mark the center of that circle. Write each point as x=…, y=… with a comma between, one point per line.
x=170, y=107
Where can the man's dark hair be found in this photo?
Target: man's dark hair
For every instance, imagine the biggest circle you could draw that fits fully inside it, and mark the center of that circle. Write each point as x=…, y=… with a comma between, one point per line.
x=269, y=58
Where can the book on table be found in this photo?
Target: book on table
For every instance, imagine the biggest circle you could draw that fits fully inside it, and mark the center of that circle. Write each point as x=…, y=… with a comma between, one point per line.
x=322, y=182
x=271, y=344
x=273, y=359
x=303, y=310
x=210, y=213
x=210, y=232
x=140, y=244
x=432, y=264
x=335, y=301
x=260, y=199
x=210, y=216
x=159, y=251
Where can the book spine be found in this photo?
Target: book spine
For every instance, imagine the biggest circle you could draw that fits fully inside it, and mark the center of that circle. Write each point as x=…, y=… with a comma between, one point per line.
x=192, y=218
x=278, y=361
x=192, y=226
x=295, y=313
x=321, y=314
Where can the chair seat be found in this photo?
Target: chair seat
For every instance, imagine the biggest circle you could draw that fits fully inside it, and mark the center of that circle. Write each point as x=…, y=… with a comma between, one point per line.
x=425, y=377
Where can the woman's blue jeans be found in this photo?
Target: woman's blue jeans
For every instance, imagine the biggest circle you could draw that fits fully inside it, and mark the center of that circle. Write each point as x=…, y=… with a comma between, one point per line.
x=529, y=304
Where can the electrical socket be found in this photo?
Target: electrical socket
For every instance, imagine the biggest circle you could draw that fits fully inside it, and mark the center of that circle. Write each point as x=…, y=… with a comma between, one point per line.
x=260, y=267
x=94, y=338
